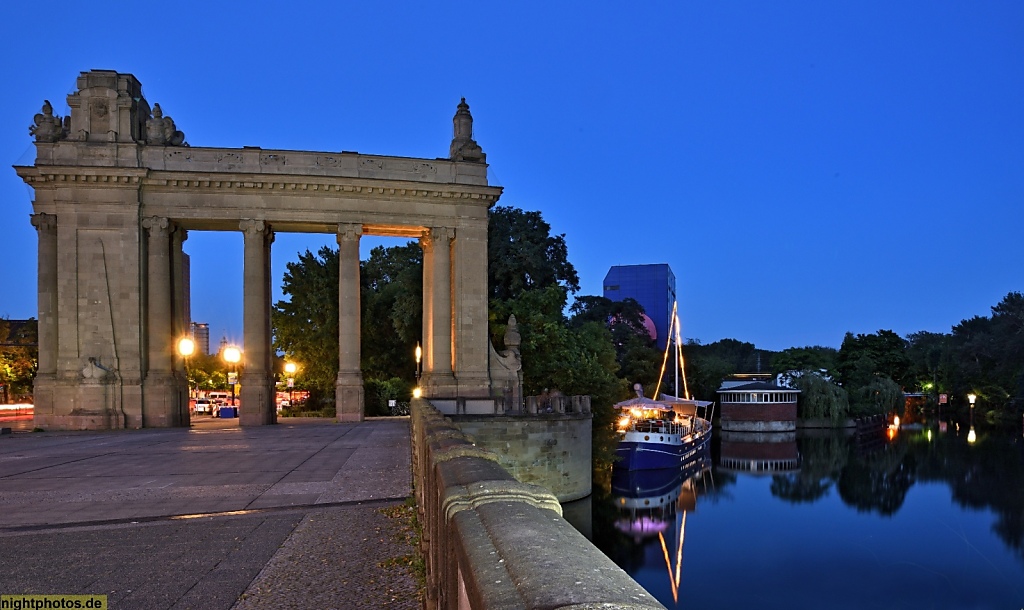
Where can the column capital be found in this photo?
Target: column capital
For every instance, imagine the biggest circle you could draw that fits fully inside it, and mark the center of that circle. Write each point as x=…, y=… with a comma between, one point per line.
x=157, y=225
x=253, y=227
x=349, y=232
x=442, y=233
x=44, y=222
x=181, y=234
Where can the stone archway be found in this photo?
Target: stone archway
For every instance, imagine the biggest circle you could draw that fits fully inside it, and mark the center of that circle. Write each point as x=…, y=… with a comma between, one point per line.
x=116, y=192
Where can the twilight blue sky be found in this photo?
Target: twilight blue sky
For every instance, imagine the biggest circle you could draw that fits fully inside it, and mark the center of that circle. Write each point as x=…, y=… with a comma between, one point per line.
x=806, y=168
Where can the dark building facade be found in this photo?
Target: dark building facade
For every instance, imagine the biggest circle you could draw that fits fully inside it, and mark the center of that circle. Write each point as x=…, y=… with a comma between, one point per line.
x=653, y=286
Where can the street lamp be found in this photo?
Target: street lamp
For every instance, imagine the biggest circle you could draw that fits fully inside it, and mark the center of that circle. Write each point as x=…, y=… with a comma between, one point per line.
x=232, y=355
x=419, y=358
x=187, y=347
x=290, y=368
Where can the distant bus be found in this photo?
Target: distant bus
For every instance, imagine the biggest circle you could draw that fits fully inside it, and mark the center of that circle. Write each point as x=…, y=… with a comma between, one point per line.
x=221, y=397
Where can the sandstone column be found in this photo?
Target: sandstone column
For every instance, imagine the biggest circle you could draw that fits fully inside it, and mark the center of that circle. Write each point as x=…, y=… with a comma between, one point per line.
x=160, y=400
x=469, y=305
x=438, y=378
x=179, y=321
x=46, y=225
x=257, y=397
x=349, y=386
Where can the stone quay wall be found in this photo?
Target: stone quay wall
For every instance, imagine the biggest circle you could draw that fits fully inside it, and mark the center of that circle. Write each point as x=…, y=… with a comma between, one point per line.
x=490, y=541
x=551, y=450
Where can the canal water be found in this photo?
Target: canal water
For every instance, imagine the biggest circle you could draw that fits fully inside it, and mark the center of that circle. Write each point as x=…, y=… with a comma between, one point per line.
x=919, y=518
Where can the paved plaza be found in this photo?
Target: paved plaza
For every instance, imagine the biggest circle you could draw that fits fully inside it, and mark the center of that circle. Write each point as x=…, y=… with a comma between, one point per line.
x=215, y=516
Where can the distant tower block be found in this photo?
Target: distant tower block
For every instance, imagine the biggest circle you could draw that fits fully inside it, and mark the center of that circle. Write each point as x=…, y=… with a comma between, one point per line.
x=653, y=286
x=201, y=335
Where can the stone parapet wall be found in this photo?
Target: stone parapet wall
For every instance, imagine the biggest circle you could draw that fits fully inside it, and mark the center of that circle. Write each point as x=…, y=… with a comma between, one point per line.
x=553, y=450
x=491, y=541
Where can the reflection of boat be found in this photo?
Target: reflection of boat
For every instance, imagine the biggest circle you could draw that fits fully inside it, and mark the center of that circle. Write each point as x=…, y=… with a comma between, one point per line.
x=663, y=433
x=655, y=503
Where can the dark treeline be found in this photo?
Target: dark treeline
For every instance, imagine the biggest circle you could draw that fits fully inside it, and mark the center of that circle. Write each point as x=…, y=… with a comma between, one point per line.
x=599, y=347
x=870, y=372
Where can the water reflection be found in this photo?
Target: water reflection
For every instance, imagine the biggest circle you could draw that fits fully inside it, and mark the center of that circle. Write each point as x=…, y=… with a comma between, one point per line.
x=805, y=516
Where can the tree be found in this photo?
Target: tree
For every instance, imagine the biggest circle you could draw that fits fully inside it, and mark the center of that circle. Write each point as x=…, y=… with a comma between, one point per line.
x=863, y=357
x=392, y=306
x=810, y=358
x=820, y=398
x=18, y=357
x=523, y=255
x=635, y=351
x=306, y=325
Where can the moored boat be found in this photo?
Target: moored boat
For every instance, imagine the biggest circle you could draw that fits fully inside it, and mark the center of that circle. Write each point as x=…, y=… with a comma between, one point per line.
x=667, y=432
x=662, y=433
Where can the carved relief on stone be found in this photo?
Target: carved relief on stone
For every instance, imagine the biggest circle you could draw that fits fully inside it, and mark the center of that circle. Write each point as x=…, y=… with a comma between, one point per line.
x=161, y=131
x=47, y=127
x=349, y=232
x=44, y=222
x=94, y=372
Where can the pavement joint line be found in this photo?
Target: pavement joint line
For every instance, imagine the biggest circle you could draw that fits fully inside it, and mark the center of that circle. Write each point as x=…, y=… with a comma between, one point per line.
x=44, y=527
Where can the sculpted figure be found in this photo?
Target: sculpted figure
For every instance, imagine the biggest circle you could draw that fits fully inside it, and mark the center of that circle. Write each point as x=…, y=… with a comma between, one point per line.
x=161, y=131
x=47, y=128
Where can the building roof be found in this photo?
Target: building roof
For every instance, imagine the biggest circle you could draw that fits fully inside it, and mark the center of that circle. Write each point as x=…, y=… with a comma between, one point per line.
x=759, y=386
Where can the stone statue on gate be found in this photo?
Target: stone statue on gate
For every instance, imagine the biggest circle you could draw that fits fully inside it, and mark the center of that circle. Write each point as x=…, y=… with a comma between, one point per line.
x=47, y=127
x=161, y=131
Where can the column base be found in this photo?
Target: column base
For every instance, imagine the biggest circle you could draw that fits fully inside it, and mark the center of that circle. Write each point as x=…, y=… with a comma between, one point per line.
x=348, y=397
x=439, y=385
x=256, y=400
x=161, y=401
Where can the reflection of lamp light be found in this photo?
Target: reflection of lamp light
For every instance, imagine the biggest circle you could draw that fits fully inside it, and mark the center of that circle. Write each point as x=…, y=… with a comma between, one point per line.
x=232, y=355
x=971, y=436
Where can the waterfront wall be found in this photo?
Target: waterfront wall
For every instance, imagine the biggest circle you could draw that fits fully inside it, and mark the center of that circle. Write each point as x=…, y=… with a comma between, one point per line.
x=491, y=541
x=758, y=417
x=551, y=450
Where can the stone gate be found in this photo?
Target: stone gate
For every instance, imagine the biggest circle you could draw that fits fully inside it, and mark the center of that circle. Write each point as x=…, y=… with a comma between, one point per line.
x=117, y=189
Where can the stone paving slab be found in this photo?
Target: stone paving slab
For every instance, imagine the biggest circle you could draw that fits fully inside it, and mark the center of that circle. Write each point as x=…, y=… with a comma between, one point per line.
x=203, y=518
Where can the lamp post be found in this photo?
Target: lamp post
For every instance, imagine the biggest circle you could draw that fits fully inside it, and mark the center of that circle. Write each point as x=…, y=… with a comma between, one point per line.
x=187, y=347
x=971, y=436
x=232, y=355
x=290, y=368
x=419, y=358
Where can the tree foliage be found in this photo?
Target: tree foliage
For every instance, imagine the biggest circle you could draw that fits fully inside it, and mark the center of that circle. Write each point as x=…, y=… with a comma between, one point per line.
x=18, y=358
x=523, y=255
x=392, y=311
x=306, y=324
x=821, y=398
x=810, y=358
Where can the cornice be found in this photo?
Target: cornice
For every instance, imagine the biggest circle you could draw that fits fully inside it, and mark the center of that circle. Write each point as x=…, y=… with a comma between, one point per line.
x=80, y=176
x=49, y=176
x=313, y=185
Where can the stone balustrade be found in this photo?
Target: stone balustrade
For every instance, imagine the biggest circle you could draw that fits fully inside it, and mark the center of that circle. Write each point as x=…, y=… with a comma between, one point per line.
x=492, y=542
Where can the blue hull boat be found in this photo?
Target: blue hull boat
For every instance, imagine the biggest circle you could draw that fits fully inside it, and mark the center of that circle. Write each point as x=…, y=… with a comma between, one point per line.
x=650, y=444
